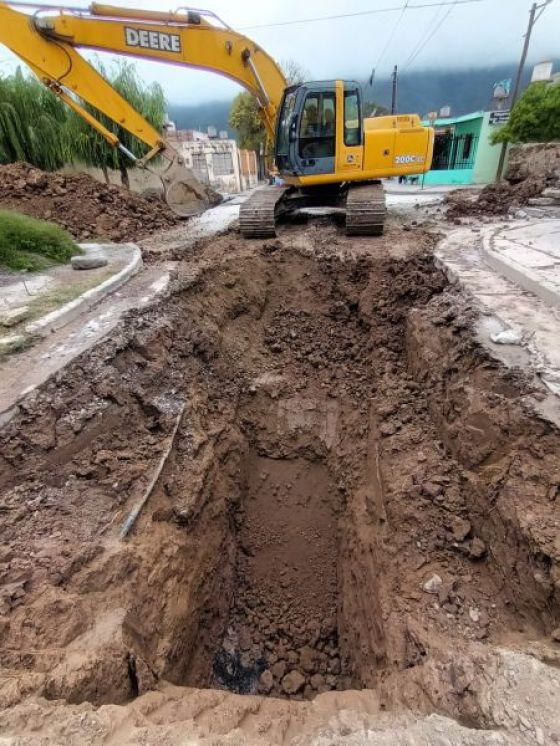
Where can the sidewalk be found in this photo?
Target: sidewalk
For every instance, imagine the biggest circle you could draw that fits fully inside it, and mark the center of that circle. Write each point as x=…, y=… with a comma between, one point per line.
x=91, y=322
x=528, y=254
x=513, y=272
x=33, y=304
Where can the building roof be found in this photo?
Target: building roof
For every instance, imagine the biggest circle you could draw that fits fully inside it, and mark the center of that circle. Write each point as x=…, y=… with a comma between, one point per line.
x=455, y=120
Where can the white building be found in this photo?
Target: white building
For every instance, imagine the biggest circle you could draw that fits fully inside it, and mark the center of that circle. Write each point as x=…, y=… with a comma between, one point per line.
x=217, y=162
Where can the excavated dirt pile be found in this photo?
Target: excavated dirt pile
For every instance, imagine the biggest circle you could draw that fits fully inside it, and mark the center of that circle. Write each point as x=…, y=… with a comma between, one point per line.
x=86, y=208
x=494, y=199
x=353, y=497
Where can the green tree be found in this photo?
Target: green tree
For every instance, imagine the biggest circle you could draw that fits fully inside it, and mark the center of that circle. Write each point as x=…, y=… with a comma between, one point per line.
x=89, y=147
x=32, y=123
x=244, y=115
x=535, y=116
x=245, y=119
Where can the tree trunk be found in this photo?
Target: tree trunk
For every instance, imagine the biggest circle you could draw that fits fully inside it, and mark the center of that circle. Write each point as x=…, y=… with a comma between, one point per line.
x=125, y=181
x=105, y=173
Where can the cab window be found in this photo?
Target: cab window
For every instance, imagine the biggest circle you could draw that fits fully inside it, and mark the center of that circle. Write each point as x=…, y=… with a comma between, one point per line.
x=317, y=126
x=285, y=120
x=352, y=119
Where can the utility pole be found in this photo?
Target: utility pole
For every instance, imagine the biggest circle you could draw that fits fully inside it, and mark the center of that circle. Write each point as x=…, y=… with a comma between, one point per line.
x=394, y=94
x=533, y=18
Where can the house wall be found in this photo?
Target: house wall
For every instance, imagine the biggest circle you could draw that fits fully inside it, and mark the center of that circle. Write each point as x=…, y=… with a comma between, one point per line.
x=203, y=155
x=488, y=155
x=459, y=176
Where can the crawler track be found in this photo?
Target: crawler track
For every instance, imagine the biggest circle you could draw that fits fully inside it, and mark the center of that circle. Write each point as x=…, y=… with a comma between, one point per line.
x=257, y=216
x=365, y=210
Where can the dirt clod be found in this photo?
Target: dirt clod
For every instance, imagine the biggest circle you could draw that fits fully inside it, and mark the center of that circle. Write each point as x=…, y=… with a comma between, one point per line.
x=494, y=199
x=293, y=682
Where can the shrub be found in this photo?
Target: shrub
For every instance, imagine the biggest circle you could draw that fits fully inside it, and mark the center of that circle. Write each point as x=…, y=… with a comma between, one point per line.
x=29, y=244
x=535, y=117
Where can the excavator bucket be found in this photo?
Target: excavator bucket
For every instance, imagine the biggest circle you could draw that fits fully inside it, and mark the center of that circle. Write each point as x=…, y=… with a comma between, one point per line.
x=184, y=193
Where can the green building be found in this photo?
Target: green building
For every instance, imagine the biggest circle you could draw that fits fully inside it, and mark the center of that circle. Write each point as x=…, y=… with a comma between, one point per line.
x=463, y=153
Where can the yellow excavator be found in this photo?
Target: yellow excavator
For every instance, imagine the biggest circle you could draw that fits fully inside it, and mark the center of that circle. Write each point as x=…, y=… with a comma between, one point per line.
x=326, y=153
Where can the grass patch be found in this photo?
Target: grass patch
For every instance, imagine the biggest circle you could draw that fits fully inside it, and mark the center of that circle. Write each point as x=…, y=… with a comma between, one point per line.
x=17, y=343
x=44, y=303
x=27, y=244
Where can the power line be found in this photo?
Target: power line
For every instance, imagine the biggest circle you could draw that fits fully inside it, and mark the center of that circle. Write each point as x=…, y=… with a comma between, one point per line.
x=358, y=13
x=424, y=35
x=392, y=34
x=430, y=37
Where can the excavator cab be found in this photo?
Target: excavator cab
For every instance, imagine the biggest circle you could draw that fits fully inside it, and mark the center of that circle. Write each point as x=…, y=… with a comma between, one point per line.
x=307, y=126
x=322, y=138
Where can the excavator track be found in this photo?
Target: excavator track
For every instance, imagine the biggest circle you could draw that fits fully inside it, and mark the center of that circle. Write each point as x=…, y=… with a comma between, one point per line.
x=257, y=215
x=365, y=210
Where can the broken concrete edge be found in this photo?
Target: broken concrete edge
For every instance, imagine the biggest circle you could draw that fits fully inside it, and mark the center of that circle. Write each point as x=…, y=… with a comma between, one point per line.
x=68, y=312
x=6, y=414
x=548, y=408
x=518, y=273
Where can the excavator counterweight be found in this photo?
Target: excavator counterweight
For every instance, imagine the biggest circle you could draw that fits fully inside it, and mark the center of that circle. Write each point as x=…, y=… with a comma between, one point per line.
x=326, y=152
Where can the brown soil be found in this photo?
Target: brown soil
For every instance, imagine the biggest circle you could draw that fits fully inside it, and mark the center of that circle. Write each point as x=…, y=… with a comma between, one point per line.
x=86, y=208
x=357, y=498
x=494, y=199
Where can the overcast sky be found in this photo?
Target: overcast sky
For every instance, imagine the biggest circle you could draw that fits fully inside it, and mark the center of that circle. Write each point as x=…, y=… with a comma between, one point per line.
x=477, y=34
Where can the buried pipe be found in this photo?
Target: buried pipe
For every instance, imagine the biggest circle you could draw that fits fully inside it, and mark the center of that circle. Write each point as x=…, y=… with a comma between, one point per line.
x=128, y=525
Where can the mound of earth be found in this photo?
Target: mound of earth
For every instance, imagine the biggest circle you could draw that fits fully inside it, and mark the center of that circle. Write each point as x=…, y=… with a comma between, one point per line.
x=494, y=199
x=81, y=205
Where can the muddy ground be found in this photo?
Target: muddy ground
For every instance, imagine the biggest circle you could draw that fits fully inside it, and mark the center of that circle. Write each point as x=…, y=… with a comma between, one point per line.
x=353, y=539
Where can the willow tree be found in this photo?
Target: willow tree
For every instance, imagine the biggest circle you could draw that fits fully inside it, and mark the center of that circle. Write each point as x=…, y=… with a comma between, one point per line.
x=32, y=123
x=91, y=148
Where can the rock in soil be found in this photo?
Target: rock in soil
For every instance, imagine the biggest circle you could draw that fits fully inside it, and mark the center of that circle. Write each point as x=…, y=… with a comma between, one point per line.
x=293, y=682
x=90, y=260
x=433, y=584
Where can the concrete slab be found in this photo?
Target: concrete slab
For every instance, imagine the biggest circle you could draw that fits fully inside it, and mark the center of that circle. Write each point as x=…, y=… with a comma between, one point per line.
x=23, y=372
x=120, y=275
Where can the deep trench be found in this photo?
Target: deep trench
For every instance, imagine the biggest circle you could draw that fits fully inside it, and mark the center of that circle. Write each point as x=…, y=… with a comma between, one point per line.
x=337, y=434
x=344, y=441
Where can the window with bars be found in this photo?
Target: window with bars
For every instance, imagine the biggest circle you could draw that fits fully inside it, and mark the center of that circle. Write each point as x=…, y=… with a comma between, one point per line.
x=200, y=167
x=223, y=164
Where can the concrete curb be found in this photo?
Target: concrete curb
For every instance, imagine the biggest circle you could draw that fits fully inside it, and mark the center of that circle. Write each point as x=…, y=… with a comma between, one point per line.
x=62, y=316
x=518, y=273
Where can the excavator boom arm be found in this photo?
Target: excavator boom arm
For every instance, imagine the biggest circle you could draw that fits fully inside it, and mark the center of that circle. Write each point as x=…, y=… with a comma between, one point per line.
x=47, y=44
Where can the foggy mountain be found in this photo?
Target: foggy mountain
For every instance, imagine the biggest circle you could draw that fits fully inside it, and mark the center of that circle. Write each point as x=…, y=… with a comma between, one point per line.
x=428, y=90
